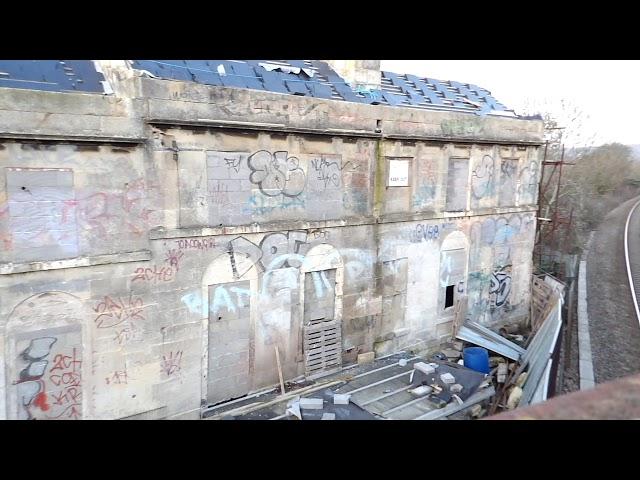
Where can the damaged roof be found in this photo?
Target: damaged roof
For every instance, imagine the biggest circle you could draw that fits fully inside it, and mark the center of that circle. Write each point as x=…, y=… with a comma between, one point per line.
x=311, y=78
x=52, y=75
x=315, y=78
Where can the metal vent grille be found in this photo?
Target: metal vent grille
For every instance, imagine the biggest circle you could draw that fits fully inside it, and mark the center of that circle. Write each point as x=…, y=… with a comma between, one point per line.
x=322, y=347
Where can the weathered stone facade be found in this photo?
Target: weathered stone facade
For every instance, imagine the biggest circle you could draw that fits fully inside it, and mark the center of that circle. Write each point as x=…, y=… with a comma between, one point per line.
x=158, y=243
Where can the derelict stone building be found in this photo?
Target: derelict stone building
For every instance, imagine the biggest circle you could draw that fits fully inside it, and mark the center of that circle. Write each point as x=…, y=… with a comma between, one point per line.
x=165, y=225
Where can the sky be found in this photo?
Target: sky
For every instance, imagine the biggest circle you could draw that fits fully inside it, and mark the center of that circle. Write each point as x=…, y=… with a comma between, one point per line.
x=601, y=91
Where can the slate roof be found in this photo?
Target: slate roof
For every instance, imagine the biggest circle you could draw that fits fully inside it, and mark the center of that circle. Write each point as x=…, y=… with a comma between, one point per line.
x=310, y=78
x=51, y=75
x=317, y=79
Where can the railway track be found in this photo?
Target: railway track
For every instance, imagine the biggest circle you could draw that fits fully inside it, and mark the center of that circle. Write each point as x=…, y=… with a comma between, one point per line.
x=632, y=255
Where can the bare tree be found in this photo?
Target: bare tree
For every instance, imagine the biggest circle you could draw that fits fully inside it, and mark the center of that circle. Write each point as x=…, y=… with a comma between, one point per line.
x=591, y=187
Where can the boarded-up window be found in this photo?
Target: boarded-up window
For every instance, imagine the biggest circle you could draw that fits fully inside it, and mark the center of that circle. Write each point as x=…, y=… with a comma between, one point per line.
x=322, y=333
x=457, y=183
x=42, y=214
x=508, y=176
x=319, y=296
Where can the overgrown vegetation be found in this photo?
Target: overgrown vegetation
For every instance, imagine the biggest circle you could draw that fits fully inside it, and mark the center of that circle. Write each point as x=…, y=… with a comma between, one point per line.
x=601, y=178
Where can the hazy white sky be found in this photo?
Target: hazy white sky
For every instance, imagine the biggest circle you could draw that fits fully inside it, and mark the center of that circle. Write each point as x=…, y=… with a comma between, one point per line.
x=603, y=89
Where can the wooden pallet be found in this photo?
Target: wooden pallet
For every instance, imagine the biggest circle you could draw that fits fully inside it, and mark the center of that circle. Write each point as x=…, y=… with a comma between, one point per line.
x=543, y=299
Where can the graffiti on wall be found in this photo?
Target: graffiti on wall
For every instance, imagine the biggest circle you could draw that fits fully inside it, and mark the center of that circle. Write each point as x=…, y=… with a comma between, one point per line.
x=425, y=233
x=173, y=257
x=529, y=183
x=261, y=205
x=50, y=384
x=114, y=311
x=500, y=286
x=508, y=169
x=126, y=333
x=276, y=173
x=117, y=377
x=223, y=298
x=202, y=244
x=276, y=250
x=466, y=127
x=482, y=178
x=327, y=172
x=266, y=182
x=153, y=274
x=490, y=277
x=171, y=363
x=426, y=190
x=104, y=212
x=278, y=255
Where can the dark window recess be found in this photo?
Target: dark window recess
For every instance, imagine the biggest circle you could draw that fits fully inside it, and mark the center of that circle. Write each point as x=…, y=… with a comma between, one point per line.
x=448, y=302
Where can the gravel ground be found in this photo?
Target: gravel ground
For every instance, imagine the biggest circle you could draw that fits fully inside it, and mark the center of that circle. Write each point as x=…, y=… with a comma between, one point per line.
x=613, y=326
x=569, y=372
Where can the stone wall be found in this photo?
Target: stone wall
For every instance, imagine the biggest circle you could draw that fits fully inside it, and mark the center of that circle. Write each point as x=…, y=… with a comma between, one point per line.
x=158, y=246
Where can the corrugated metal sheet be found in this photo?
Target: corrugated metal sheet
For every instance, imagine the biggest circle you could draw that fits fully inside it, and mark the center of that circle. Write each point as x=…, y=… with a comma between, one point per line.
x=479, y=335
x=538, y=356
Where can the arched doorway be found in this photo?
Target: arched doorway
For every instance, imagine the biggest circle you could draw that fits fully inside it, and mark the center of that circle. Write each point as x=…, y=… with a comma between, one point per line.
x=321, y=280
x=46, y=360
x=228, y=293
x=454, y=255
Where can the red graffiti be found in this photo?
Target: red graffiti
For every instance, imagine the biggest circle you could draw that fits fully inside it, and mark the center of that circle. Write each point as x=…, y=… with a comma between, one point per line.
x=62, y=362
x=126, y=334
x=163, y=274
x=114, y=312
x=70, y=395
x=117, y=378
x=41, y=401
x=171, y=363
x=196, y=244
x=70, y=366
x=173, y=258
x=73, y=412
x=100, y=210
x=66, y=373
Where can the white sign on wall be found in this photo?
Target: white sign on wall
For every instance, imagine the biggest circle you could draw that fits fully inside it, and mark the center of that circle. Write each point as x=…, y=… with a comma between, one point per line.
x=398, y=173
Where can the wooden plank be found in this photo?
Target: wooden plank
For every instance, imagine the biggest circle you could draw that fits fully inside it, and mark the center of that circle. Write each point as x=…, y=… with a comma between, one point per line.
x=282, y=391
x=258, y=405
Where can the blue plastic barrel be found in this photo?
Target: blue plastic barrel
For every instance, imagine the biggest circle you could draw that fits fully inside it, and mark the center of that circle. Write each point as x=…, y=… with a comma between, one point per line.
x=476, y=358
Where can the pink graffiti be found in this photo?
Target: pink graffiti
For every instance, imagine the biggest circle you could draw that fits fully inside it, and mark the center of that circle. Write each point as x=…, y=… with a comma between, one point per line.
x=173, y=258
x=100, y=210
x=171, y=363
x=119, y=377
x=155, y=274
x=114, y=312
x=196, y=244
x=126, y=334
x=68, y=375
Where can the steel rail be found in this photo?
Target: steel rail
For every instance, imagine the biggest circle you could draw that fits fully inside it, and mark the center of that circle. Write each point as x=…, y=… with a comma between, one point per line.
x=626, y=255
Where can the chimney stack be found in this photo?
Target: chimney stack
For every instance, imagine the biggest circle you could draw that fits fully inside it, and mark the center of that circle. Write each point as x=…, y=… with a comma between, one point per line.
x=358, y=73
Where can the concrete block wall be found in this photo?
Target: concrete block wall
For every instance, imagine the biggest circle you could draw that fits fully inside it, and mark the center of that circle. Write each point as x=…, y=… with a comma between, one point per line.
x=193, y=240
x=87, y=200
